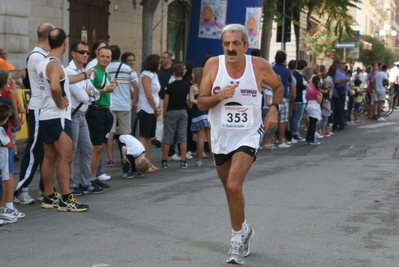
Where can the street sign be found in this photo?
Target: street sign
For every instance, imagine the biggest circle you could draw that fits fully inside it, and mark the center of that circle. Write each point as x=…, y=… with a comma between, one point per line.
x=354, y=53
x=345, y=45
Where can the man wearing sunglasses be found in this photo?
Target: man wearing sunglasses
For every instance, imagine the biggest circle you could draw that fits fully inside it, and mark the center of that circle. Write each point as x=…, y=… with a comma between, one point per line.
x=82, y=94
x=339, y=94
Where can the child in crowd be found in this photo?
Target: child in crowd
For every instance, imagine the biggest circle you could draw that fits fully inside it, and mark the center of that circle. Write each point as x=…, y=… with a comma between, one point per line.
x=358, y=99
x=325, y=114
x=267, y=142
x=5, y=143
x=8, y=212
x=133, y=157
x=314, y=97
x=199, y=119
x=175, y=115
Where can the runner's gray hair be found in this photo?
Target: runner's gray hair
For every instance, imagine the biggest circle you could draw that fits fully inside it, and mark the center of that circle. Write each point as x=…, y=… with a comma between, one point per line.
x=236, y=28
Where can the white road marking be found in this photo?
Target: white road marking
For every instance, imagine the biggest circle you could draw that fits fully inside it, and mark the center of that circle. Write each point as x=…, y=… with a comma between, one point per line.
x=377, y=125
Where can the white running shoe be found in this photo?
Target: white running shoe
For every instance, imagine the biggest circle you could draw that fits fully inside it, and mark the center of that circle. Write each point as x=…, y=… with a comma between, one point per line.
x=236, y=255
x=317, y=135
x=381, y=119
x=103, y=177
x=174, y=158
x=17, y=213
x=246, y=241
x=7, y=216
x=24, y=198
x=283, y=145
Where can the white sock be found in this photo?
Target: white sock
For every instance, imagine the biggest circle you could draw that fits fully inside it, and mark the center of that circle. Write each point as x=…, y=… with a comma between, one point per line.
x=236, y=236
x=10, y=206
x=244, y=228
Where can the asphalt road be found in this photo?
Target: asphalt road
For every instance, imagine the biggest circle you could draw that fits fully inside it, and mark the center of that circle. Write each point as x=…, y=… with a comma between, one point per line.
x=331, y=205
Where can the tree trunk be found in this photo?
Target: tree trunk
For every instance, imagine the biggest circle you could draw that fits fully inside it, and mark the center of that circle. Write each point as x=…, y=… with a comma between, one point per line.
x=268, y=15
x=296, y=15
x=149, y=7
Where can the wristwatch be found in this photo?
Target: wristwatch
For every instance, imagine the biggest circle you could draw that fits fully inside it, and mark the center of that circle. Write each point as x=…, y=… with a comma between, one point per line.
x=277, y=105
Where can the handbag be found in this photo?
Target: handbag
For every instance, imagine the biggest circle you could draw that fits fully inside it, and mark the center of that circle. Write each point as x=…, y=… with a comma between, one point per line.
x=341, y=91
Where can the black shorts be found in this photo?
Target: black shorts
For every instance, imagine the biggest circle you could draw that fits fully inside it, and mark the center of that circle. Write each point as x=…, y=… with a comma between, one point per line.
x=147, y=124
x=50, y=130
x=220, y=159
x=100, y=123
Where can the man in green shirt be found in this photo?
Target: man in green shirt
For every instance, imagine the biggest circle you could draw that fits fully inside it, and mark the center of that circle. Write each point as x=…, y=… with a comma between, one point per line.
x=99, y=117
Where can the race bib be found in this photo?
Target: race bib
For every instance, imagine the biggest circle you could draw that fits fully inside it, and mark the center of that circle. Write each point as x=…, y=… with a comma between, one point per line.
x=237, y=117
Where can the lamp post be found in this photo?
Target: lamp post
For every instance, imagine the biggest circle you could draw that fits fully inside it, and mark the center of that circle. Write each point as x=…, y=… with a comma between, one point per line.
x=385, y=33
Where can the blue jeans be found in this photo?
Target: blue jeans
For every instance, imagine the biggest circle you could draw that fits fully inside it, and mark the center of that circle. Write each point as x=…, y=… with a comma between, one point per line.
x=296, y=117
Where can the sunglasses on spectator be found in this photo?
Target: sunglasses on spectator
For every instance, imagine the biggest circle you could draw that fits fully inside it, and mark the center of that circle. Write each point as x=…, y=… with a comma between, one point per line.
x=82, y=52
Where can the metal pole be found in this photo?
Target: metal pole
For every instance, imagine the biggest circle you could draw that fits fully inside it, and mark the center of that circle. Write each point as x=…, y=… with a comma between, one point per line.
x=283, y=30
x=345, y=54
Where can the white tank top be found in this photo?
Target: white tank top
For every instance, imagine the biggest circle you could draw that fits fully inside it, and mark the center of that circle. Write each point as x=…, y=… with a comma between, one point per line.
x=49, y=109
x=236, y=121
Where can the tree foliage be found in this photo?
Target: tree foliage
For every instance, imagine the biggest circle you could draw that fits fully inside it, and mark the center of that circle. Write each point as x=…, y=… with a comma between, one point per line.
x=378, y=53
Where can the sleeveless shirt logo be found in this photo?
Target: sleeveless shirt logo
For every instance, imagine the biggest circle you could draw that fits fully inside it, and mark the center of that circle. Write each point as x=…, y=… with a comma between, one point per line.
x=216, y=90
x=41, y=81
x=249, y=92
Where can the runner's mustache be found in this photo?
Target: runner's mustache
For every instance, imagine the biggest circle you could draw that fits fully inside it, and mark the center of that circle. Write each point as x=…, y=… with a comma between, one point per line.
x=231, y=53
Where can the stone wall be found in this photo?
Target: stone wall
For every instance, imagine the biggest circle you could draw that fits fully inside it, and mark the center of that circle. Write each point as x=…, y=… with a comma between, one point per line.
x=14, y=31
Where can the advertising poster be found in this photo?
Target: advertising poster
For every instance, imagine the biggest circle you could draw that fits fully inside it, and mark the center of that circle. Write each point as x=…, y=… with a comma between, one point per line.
x=252, y=24
x=212, y=18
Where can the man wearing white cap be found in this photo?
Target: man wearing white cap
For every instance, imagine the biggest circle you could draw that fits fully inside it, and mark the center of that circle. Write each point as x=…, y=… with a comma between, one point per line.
x=394, y=82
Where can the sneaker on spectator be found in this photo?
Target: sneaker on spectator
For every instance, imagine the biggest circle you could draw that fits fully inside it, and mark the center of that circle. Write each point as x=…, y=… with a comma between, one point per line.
x=283, y=145
x=137, y=174
x=236, y=255
x=298, y=138
x=198, y=163
x=72, y=204
x=183, y=165
x=16, y=157
x=294, y=141
x=318, y=135
x=76, y=191
x=174, y=158
x=103, y=177
x=110, y=163
x=127, y=175
x=165, y=165
x=189, y=155
x=40, y=196
x=91, y=189
x=246, y=240
x=50, y=203
x=381, y=119
x=156, y=143
x=24, y=198
x=7, y=216
x=16, y=213
x=99, y=183
x=313, y=143
x=2, y=222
